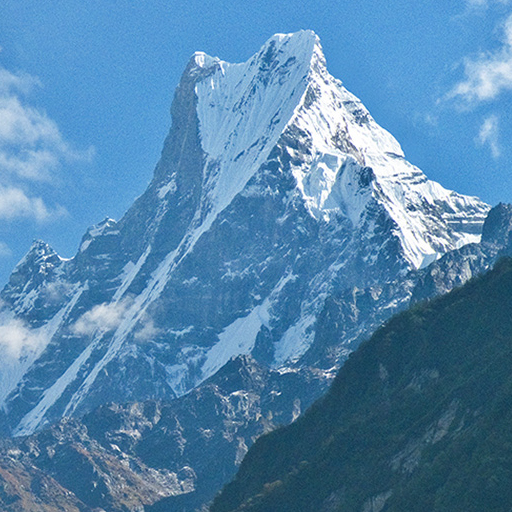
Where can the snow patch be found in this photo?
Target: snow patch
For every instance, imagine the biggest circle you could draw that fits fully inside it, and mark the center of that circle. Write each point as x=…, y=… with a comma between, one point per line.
x=295, y=341
x=236, y=339
x=239, y=337
x=169, y=188
x=129, y=273
x=85, y=245
x=181, y=332
x=101, y=228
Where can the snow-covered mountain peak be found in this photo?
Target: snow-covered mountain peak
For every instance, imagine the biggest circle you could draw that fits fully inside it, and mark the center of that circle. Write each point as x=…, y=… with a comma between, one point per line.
x=277, y=50
x=354, y=164
x=244, y=109
x=275, y=189
x=105, y=227
x=298, y=45
x=301, y=38
x=40, y=255
x=100, y=228
x=40, y=247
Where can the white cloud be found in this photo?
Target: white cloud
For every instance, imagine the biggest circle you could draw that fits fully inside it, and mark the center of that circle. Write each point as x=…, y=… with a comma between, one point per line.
x=11, y=83
x=489, y=74
x=108, y=316
x=16, y=337
x=31, y=145
x=147, y=331
x=56, y=291
x=103, y=317
x=5, y=250
x=489, y=135
x=477, y=3
x=15, y=204
x=32, y=149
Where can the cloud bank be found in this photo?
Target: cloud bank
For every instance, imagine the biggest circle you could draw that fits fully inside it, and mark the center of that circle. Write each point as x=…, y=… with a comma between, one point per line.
x=32, y=149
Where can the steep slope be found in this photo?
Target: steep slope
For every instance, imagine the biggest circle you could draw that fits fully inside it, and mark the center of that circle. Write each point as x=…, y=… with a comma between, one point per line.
x=275, y=189
x=418, y=419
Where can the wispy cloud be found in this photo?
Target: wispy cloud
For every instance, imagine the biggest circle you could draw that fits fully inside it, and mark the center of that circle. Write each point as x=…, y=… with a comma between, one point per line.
x=147, y=330
x=479, y=4
x=5, y=250
x=32, y=150
x=31, y=145
x=489, y=135
x=488, y=74
x=11, y=83
x=108, y=316
x=15, y=204
x=16, y=337
x=103, y=317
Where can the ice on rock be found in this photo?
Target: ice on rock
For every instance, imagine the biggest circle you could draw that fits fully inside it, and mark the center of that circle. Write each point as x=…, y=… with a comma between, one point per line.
x=243, y=110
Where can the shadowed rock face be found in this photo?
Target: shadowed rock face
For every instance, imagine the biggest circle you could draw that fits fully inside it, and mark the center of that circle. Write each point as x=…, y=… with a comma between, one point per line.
x=281, y=227
x=177, y=455
x=23, y=486
x=498, y=226
x=167, y=456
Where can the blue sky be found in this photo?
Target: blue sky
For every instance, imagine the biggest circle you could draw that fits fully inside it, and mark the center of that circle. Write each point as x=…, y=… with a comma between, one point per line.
x=85, y=92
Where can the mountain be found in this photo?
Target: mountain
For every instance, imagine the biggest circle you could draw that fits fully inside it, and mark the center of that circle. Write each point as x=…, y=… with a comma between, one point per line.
x=418, y=419
x=159, y=456
x=275, y=186
x=24, y=487
x=281, y=227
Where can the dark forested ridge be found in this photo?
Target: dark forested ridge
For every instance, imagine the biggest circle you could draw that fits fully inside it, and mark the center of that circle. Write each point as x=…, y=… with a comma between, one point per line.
x=418, y=419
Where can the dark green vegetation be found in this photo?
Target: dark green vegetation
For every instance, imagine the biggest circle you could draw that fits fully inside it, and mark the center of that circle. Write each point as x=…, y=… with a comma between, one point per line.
x=418, y=419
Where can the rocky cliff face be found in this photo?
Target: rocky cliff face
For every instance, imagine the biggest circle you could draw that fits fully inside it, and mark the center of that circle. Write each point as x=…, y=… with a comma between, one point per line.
x=282, y=223
x=168, y=455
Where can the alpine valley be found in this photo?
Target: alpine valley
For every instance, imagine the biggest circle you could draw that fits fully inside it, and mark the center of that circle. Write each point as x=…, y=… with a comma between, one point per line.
x=282, y=226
